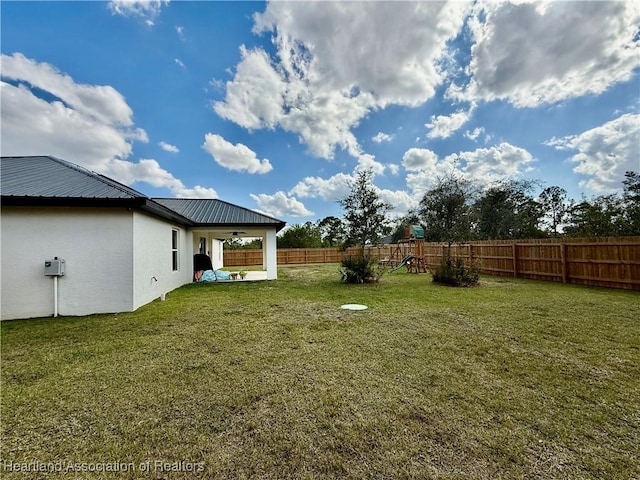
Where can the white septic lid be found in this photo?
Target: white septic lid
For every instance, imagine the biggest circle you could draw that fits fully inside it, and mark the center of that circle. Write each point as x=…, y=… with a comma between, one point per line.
x=354, y=306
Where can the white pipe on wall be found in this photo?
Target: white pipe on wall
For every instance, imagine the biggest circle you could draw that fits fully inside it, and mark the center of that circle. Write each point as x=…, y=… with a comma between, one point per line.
x=55, y=296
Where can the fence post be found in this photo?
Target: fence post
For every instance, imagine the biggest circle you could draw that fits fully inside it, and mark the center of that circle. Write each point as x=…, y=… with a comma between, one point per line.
x=563, y=259
x=514, y=249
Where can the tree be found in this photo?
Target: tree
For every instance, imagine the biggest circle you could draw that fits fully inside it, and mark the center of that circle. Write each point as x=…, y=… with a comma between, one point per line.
x=255, y=244
x=300, y=236
x=555, y=207
x=599, y=217
x=446, y=210
x=495, y=214
x=528, y=217
x=608, y=215
x=332, y=231
x=233, y=243
x=506, y=210
x=631, y=204
x=365, y=213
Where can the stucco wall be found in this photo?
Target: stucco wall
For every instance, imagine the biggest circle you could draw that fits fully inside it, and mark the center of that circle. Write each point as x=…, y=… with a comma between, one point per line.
x=97, y=246
x=152, y=263
x=217, y=258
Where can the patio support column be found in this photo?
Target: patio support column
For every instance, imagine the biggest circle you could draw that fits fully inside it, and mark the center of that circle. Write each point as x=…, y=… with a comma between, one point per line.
x=270, y=255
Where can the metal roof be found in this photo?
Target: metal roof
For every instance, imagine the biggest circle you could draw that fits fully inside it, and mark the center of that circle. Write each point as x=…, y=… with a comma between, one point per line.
x=50, y=177
x=214, y=212
x=50, y=181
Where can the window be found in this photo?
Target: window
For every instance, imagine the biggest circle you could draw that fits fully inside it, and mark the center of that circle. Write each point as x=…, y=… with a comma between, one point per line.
x=174, y=250
x=203, y=245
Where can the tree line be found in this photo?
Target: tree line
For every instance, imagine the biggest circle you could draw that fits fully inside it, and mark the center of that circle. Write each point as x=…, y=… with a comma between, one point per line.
x=456, y=209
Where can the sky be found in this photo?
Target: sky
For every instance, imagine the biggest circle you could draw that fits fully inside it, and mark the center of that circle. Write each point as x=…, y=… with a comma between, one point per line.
x=277, y=106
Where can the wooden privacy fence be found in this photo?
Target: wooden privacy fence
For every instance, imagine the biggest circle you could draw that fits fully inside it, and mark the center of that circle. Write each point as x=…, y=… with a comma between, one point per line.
x=614, y=264
x=610, y=262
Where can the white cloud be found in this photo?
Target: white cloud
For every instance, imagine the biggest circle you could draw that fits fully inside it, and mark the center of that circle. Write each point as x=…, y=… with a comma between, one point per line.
x=217, y=84
x=86, y=124
x=425, y=169
x=168, y=147
x=487, y=165
x=260, y=96
x=255, y=96
x=180, y=32
x=34, y=126
x=335, y=63
x=473, y=135
x=179, y=63
x=416, y=159
x=481, y=166
x=387, y=48
x=400, y=200
x=382, y=137
x=535, y=53
x=443, y=126
x=101, y=103
x=368, y=162
x=338, y=186
x=605, y=153
x=329, y=189
x=146, y=9
x=90, y=125
x=393, y=168
x=149, y=171
x=280, y=204
x=236, y=157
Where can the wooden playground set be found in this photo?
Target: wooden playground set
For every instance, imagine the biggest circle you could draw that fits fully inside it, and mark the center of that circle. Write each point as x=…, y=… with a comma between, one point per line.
x=408, y=252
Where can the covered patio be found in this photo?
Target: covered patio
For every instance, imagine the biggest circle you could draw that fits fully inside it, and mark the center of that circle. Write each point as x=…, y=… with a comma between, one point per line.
x=211, y=241
x=215, y=221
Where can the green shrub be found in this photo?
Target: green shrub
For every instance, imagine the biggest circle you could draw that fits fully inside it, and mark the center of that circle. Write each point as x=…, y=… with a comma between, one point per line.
x=360, y=269
x=453, y=271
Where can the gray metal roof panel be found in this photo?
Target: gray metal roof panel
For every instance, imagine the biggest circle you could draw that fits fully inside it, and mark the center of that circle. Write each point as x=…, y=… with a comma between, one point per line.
x=217, y=212
x=51, y=177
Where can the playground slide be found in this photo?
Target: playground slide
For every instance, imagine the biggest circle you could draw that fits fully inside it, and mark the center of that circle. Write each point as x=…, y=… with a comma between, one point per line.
x=402, y=263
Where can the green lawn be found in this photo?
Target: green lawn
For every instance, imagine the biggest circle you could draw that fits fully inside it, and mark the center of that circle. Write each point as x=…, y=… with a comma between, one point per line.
x=512, y=379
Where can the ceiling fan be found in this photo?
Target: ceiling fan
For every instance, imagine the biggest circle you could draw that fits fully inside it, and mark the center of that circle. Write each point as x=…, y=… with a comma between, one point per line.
x=235, y=233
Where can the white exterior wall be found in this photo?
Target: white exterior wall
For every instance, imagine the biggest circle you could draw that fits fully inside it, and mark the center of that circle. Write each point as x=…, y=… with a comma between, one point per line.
x=116, y=259
x=96, y=245
x=270, y=254
x=217, y=258
x=152, y=262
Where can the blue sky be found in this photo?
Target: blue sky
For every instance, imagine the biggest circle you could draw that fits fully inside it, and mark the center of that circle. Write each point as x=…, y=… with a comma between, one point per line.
x=276, y=106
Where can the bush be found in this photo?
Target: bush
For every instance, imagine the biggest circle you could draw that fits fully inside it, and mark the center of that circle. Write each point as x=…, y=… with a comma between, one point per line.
x=453, y=271
x=360, y=269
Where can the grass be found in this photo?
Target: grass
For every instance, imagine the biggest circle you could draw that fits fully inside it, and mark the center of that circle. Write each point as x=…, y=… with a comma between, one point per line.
x=512, y=379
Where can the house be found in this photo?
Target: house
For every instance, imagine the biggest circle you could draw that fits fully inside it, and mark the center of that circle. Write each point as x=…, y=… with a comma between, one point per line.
x=121, y=249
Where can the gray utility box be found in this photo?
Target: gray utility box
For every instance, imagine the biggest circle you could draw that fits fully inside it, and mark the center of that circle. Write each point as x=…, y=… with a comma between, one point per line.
x=54, y=268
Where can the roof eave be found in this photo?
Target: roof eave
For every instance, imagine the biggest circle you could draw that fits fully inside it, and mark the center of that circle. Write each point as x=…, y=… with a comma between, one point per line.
x=31, y=201
x=159, y=210
x=278, y=226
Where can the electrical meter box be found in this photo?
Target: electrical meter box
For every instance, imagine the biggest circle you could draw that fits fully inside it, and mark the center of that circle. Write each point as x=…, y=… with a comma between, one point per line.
x=54, y=268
